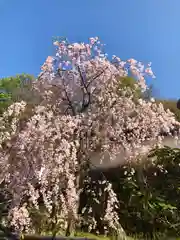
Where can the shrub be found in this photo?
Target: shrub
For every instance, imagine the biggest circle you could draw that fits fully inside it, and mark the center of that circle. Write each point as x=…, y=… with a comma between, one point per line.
x=148, y=193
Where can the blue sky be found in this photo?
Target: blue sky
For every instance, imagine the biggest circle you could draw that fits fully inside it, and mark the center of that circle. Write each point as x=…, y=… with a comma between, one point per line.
x=147, y=30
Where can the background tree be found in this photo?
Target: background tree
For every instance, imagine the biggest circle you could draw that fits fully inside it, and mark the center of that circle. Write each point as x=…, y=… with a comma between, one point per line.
x=16, y=88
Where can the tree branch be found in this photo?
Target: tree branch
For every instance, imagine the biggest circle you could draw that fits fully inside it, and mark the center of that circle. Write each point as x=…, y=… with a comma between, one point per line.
x=85, y=104
x=67, y=97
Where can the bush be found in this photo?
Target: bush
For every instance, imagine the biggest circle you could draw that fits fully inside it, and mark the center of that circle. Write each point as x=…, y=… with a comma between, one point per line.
x=148, y=193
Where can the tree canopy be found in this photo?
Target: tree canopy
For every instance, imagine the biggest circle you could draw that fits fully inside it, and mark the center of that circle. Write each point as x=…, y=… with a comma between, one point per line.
x=89, y=113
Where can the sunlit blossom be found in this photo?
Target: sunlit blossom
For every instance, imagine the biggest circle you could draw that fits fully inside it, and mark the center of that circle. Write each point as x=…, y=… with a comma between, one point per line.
x=82, y=122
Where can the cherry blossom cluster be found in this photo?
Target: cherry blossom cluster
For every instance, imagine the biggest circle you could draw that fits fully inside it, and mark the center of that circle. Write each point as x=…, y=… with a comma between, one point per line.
x=80, y=55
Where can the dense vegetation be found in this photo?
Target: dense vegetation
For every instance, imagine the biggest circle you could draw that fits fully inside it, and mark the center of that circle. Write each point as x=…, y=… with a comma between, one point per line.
x=14, y=89
x=54, y=134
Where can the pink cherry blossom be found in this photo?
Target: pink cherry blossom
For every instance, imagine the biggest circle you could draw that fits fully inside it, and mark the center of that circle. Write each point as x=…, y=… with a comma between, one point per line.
x=84, y=120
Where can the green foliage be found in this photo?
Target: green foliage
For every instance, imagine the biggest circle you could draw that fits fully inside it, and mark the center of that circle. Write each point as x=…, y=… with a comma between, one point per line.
x=15, y=88
x=149, y=193
x=9, y=84
x=128, y=82
x=129, y=85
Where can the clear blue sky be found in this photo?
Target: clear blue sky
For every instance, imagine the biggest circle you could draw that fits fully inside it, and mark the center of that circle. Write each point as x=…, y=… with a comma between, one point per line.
x=147, y=30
